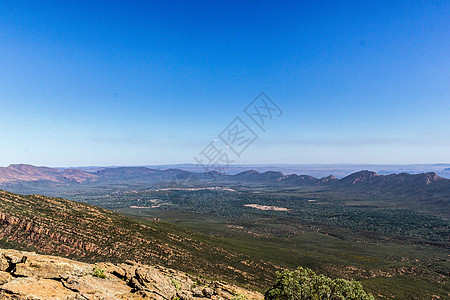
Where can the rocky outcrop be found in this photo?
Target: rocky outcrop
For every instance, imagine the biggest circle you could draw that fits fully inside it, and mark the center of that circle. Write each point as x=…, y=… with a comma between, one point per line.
x=27, y=275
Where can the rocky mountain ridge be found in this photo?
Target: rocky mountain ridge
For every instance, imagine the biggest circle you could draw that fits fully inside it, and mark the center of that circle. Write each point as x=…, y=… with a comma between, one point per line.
x=27, y=275
x=23, y=174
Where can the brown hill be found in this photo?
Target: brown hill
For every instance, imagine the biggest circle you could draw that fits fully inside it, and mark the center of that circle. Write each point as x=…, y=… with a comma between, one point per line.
x=22, y=172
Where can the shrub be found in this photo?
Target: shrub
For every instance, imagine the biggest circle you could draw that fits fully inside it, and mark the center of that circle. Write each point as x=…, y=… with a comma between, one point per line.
x=97, y=272
x=304, y=284
x=175, y=283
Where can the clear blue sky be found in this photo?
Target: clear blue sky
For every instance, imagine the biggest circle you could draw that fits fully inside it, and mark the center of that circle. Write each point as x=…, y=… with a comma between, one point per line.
x=152, y=82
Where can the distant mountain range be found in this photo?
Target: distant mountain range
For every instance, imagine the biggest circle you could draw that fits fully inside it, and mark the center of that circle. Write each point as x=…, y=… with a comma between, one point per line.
x=316, y=170
x=23, y=174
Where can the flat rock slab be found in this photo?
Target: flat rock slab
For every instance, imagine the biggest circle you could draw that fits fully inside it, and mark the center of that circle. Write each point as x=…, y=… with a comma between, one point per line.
x=89, y=286
x=34, y=288
x=29, y=264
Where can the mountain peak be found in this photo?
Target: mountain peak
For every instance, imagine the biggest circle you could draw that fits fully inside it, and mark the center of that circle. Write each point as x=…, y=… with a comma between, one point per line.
x=359, y=177
x=431, y=177
x=22, y=167
x=327, y=179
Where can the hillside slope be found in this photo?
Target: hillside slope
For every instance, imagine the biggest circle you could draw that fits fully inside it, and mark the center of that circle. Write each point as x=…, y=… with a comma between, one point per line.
x=88, y=233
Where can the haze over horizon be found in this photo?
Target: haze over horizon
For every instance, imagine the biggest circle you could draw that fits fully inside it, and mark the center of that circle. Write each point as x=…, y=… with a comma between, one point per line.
x=115, y=83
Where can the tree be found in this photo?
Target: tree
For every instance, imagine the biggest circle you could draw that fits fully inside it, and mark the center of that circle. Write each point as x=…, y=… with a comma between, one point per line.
x=304, y=284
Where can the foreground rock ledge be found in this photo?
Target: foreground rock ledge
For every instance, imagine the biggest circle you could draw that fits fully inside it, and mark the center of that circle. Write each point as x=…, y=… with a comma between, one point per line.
x=27, y=275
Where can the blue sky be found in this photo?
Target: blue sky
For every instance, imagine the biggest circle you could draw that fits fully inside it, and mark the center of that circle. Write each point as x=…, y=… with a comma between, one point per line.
x=153, y=82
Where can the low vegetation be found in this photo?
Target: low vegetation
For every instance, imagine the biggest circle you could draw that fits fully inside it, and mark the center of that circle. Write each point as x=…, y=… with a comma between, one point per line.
x=304, y=284
x=98, y=272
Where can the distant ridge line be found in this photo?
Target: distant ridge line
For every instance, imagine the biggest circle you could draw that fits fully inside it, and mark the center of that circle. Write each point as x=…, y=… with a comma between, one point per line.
x=17, y=173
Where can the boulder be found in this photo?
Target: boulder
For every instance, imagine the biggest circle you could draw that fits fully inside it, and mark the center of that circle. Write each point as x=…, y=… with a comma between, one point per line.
x=154, y=281
x=97, y=288
x=5, y=277
x=4, y=264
